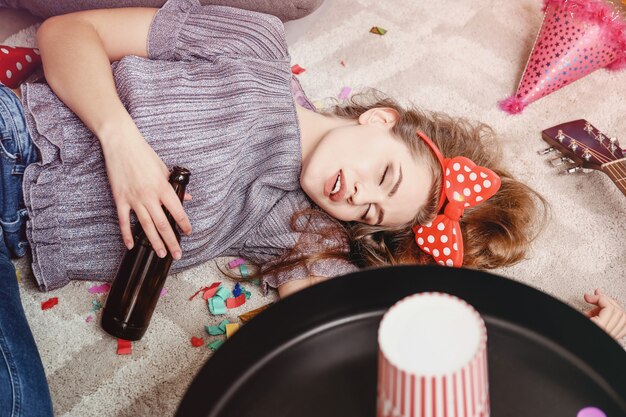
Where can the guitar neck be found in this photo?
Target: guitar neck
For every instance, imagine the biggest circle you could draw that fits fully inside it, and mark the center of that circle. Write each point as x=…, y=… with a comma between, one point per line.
x=616, y=170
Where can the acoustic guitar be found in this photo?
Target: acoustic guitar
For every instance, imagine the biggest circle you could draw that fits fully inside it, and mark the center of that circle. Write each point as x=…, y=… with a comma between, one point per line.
x=584, y=145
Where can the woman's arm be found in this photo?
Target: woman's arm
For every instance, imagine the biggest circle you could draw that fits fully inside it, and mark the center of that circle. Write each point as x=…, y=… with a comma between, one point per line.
x=77, y=50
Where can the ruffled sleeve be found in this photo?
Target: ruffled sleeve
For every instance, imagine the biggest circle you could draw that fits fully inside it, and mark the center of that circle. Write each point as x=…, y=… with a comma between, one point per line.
x=184, y=30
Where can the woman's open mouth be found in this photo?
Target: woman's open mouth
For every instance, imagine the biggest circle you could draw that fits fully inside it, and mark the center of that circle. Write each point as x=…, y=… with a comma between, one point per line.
x=335, y=187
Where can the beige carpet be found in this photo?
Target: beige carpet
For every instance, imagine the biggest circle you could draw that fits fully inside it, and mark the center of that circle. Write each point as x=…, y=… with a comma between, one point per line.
x=456, y=56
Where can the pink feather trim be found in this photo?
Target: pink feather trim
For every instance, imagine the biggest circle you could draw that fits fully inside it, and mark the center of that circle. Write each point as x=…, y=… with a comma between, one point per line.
x=512, y=105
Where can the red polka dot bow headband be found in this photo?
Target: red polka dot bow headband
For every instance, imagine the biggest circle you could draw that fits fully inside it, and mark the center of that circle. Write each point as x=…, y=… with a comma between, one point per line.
x=465, y=184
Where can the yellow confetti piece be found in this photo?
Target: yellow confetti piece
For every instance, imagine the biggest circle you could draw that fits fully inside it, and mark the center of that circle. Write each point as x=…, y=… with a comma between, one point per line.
x=231, y=328
x=246, y=317
x=19, y=277
x=377, y=30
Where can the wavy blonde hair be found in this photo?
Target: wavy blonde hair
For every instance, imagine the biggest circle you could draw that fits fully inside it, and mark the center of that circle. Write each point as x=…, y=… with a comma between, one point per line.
x=496, y=233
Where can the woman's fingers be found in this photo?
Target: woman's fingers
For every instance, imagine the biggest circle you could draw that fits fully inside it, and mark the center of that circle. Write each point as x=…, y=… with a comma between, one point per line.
x=123, y=216
x=165, y=231
x=175, y=207
x=150, y=230
x=593, y=312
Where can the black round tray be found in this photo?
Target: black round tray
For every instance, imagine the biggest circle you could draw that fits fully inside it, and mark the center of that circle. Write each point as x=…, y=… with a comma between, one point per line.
x=315, y=353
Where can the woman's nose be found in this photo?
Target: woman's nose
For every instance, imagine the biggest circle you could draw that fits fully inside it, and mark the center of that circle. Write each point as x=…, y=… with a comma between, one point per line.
x=364, y=194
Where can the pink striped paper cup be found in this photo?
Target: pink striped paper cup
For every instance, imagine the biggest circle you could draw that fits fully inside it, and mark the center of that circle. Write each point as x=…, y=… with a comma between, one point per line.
x=432, y=359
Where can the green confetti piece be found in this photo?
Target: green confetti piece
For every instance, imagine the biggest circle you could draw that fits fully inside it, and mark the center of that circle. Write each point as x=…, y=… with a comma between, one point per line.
x=96, y=305
x=214, y=345
x=243, y=269
x=247, y=293
x=214, y=330
x=222, y=293
x=222, y=325
x=217, y=306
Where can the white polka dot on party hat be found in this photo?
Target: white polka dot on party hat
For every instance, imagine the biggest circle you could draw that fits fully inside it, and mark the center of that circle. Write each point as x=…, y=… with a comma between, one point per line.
x=455, y=246
x=454, y=232
x=435, y=252
x=482, y=174
x=449, y=262
x=6, y=51
x=420, y=230
x=426, y=249
x=431, y=238
x=473, y=176
x=9, y=74
x=441, y=226
x=486, y=183
x=443, y=238
x=467, y=192
x=448, y=171
x=441, y=263
x=456, y=196
x=18, y=66
x=446, y=251
x=456, y=166
x=467, y=169
x=477, y=188
x=36, y=51
x=447, y=184
x=420, y=241
x=460, y=178
x=28, y=58
x=479, y=198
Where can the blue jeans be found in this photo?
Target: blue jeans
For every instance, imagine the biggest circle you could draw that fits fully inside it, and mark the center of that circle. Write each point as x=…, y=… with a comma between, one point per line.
x=23, y=386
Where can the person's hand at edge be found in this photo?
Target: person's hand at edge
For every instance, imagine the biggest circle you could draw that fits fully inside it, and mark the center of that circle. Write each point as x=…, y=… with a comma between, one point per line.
x=607, y=314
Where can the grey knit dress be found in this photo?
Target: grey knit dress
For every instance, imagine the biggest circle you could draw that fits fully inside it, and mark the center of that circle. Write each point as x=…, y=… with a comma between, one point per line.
x=216, y=95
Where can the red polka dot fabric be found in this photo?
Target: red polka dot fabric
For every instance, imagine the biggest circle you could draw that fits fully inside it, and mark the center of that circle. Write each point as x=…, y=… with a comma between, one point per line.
x=16, y=64
x=465, y=185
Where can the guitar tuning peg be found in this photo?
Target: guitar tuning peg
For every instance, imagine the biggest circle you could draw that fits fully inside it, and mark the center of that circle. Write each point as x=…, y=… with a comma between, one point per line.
x=573, y=146
x=614, y=144
x=560, y=161
x=574, y=170
x=546, y=151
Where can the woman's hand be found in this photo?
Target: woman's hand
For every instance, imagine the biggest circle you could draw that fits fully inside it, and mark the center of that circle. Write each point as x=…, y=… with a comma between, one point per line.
x=607, y=314
x=139, y=181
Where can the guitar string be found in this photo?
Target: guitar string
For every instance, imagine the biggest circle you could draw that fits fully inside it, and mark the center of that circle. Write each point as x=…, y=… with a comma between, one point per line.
x=620, y=170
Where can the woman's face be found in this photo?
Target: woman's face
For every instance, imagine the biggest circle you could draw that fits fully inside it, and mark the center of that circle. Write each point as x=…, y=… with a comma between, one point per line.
x=363, y=173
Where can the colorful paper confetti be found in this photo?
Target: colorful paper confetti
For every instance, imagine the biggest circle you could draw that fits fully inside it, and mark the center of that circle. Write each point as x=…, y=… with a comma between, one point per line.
x=163, y=292
x=345, y=93
x=237, y=290
x=89, y=318
x=217, y=330
x=48, y=304
x=343, y=63
x=217, y=306
x=95, y=306
x=99, y=289
x=214, y=345
x=243, y=270
x=197, y=341
x=231, y=329
x=377, y=30
x=297, y=69
x=235, y=263
x=124, y=347
x=18, y=275
x=236, y=302
x=211, y=291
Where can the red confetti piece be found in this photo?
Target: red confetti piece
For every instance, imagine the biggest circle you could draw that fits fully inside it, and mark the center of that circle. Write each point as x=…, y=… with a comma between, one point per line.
x=49, y=303
x=297, y=69
x=198, y=292
x=197, y=341
x=343, y=64
x=211, y=291
x=124, y=347
x=236, y=302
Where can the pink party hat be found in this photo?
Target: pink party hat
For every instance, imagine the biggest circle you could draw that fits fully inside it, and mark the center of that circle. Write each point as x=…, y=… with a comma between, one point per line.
x=577, y=37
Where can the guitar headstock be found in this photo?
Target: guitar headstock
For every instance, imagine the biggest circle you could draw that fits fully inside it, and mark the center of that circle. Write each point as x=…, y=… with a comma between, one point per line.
x=581, y=142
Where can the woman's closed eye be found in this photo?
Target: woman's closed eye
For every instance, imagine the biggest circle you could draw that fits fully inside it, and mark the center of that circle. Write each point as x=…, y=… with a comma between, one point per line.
x=364, y=216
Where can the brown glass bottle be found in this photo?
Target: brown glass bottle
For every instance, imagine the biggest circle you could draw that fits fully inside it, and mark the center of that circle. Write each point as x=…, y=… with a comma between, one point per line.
x=140, y=277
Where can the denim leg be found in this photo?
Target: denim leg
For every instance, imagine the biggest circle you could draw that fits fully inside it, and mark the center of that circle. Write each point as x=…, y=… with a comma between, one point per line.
x=17, y=151
x=23, y=386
